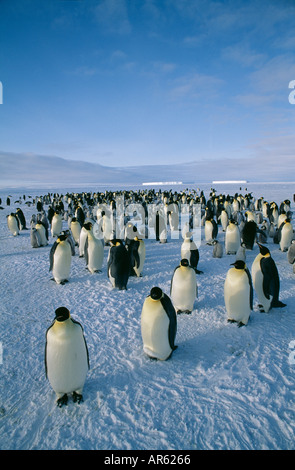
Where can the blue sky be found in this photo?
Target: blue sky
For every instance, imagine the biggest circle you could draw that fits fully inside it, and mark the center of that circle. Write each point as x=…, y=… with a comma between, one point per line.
x=123, y=82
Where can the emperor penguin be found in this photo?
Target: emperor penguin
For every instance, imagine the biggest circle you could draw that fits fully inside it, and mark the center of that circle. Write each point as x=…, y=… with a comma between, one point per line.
x=291, y=254
x=286, y=235
x=224, y=219
x=184, y=289
x=93, y=250
x=56, y=224
x=211, y=229
x=249, y=234
x=13, y=224
x=238, y=293
x=189, y=251
x=136, y=249
x=232, y=238
x=75, y=228
x=43, y=233
x=66, y=357
x=21, y=218
x=158, y=325
x=60, y=259
x=217, y=249
x=35, y=238
x=266, y=280
x=118, y=264
x=82, y=240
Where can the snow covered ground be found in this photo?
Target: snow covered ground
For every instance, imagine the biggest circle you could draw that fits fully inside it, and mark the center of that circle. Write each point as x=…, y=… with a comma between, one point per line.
x=223, y=388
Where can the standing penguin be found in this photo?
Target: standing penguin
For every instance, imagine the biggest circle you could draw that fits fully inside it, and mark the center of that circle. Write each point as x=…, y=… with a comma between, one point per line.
x=232, y=238
x=13, y=224
x=291, y=254
x=136, y=249
x=75, y=228
x=211, y=229
x=35, y=238
x=238, y=293
x=189, y=251
x=66, y=357
x=56, y=224
x=217, y=249
x=118, y=265
x=60, y=259
x=93, y=250
x=43, y=233
x=266, y=280
x=158, y=325
x=249, y=232
x=285, y=235
x=21, y=218
x=184, y=289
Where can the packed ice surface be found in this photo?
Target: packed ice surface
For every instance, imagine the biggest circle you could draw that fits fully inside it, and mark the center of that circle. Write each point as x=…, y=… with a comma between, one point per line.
x=224, y=387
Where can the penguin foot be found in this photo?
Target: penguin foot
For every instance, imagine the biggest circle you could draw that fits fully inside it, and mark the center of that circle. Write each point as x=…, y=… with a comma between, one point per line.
x=231, y=321
x=64, y=282
x=240, y=324
x=77, y=398
x=62, y=401
x=199, y=272
x=261, y=308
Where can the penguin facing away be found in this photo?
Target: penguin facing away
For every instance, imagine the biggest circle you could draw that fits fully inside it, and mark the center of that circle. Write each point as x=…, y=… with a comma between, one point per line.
x=266, y=281
x=238, y=293
x=60, y=259
x=66, y=357
x=183, y=289
x=118, y=264
x=158, y=325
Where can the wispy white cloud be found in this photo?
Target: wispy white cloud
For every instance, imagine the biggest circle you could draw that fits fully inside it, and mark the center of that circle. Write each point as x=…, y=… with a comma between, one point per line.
x=112, y=16
x=194, y=86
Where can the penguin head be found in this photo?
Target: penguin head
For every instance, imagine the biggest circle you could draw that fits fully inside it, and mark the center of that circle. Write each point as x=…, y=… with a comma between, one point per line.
x=184, y=262
x=263, y=250
x=88, y=226
x=239, y=264
x=62, y=314
x=62, y=237
x=156, y=293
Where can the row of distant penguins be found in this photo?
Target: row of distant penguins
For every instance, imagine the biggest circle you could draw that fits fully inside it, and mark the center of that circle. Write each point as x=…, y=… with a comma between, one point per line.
x=159, y=311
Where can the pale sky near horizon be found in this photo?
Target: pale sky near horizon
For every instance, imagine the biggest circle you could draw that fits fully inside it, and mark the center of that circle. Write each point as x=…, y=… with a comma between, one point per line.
x=123, y=82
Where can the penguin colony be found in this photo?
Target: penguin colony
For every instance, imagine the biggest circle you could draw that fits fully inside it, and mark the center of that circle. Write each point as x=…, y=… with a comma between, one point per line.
x=245, y=221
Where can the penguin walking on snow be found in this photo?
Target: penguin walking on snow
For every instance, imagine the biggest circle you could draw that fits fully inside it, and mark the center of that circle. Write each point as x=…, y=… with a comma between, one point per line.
x=66, y=357
x=183, y=289
x=266, y=280
x=238, y=293
x=60, y=259
x=118, y=264
x=158, y=325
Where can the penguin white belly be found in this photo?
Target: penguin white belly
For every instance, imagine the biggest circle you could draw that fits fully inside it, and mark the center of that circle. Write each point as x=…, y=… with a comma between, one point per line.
x=208, y=231
x=185, y=250
x=237, y=296
x=184, y=290
x=224, y=220
x=56, y=226
x=141, y=254
x=66, y=359
x=154, y=330
x=82, y=240
x=13, y=225
x=232, y=240
x=95, y=255
x=42, y=232
x=76, y=230
x=286, y=237
x=257, y=279
x=62, y=262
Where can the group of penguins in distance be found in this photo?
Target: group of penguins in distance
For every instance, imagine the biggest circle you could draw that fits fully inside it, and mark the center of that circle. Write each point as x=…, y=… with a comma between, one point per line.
x=244, y=220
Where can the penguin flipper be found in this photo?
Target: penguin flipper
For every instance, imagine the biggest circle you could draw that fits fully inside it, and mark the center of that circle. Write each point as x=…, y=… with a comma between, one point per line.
x=170, y=311
x=251, y=288
x=86, y=251
x=51, y=255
